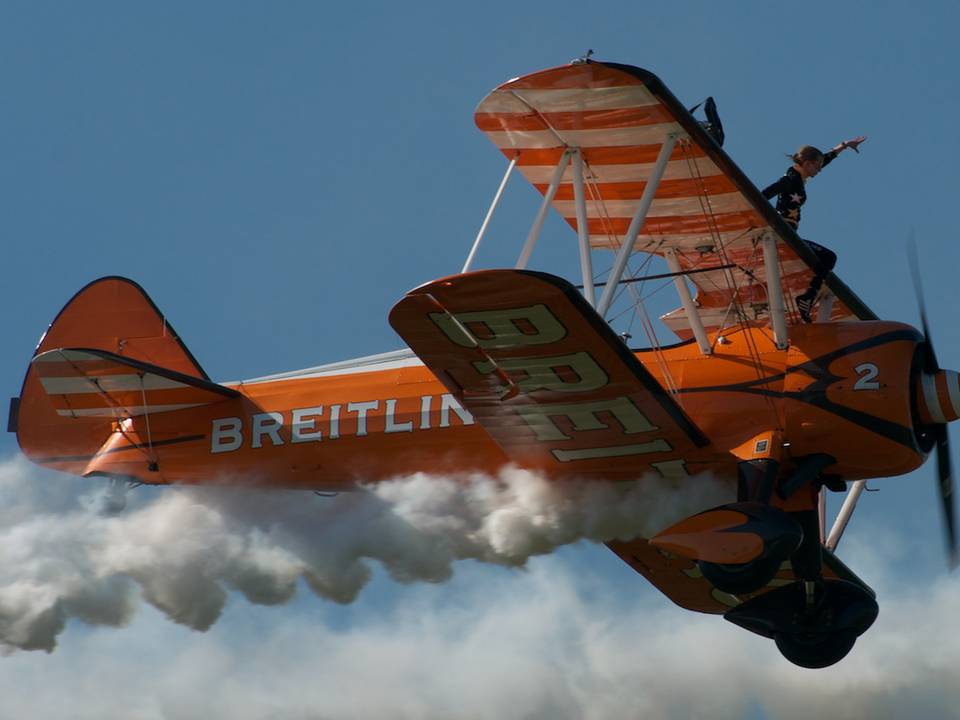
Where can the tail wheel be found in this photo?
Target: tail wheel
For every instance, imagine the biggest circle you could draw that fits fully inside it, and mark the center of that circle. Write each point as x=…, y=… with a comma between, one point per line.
x=815, y=649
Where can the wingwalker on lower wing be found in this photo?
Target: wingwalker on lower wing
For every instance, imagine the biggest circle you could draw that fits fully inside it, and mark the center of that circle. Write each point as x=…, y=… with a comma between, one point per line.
x=518, y=366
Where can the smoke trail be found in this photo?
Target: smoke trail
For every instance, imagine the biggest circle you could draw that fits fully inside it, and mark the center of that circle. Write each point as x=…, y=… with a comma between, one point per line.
x=66, y=553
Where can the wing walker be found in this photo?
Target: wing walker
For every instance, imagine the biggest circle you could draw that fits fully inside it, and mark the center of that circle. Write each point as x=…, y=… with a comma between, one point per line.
x=518, y=366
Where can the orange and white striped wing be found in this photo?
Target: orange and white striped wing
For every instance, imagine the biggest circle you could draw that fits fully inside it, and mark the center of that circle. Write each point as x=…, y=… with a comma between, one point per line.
x=704, y=207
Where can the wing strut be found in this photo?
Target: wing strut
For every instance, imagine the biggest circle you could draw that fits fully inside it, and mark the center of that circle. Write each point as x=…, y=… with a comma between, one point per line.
x=542, y=212
x=822, y=513
x=583, y=232
x=151, y=455
x=639, y=218
x=843, y=517
x=778, y=318
x=689, y=307
x=493, y=207
x=826, y=307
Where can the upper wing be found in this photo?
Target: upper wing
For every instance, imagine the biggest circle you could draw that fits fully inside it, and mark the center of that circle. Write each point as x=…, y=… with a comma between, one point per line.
x=705, y=209
x=544, y=375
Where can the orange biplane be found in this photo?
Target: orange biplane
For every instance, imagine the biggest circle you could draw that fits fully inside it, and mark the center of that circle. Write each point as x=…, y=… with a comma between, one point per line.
x=515, y=366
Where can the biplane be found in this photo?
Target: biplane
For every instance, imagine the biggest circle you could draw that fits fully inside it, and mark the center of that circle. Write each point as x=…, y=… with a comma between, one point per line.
x=517, y=366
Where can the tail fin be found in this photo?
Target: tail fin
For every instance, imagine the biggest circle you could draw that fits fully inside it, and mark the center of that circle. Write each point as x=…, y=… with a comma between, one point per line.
x=108, y=358
x=116, y=315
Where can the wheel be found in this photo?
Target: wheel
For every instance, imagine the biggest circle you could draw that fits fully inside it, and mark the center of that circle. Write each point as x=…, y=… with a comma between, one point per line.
x=815, y=649
x=739, y=579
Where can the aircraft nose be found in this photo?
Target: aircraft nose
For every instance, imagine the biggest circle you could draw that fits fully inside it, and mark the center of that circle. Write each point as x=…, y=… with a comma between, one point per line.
x=938, y=397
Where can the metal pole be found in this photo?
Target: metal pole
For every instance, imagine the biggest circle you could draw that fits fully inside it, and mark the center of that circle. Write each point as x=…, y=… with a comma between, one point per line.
x=542, y=213
x=586, y=264
x=639, y=217
x=486, y=220
x=843, y=517
x=693, y=317
x=826, y=307
x=778, y=317
x=822, y=509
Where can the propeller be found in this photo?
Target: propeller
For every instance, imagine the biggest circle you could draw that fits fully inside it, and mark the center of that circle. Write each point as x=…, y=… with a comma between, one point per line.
x=941, y=435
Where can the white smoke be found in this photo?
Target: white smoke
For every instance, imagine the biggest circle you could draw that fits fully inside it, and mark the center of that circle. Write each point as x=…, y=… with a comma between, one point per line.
x=65, y=551
x=576, y=636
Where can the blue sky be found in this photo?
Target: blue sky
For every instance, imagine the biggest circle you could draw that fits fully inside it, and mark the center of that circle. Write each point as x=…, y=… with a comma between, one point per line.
x=277, y=175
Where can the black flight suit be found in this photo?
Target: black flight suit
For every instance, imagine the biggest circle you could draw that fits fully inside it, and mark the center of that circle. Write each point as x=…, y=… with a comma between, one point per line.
x=791, y=195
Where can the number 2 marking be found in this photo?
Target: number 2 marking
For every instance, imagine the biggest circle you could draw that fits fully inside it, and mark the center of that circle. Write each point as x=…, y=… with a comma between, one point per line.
x=867, y=373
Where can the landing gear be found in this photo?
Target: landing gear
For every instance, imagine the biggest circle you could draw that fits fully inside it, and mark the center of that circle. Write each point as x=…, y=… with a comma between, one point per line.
x=740, y=579
x=814, y=621
x=780, y=534
x=813, y=624
x=815, y=650
x=740, y=548
x=112, y=499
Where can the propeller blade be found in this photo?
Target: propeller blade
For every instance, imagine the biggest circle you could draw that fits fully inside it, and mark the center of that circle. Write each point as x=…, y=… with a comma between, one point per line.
x=930, y=365
x=945, y=475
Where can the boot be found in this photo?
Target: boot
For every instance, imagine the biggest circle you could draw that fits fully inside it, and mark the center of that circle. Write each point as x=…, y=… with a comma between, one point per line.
x=805, y=305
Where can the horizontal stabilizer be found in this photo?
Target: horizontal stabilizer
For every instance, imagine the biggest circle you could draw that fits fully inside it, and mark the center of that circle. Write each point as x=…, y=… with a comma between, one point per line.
x=99, y=384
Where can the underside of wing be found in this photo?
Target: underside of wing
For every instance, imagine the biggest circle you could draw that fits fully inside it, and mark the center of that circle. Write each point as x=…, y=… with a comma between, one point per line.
x=704, y=214
x=680, y=578
x=545, y=376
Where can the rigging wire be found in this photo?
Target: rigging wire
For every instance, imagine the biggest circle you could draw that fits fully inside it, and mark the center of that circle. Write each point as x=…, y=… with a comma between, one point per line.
x=116, y=408
x=146, y=415
x=721, y=249
x=640, y=311
x=593, y=191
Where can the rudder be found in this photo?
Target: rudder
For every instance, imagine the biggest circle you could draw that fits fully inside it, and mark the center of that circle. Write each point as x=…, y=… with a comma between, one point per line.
x=116, y=314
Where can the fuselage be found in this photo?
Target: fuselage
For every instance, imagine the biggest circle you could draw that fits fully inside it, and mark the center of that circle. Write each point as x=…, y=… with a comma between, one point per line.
x=840, y=388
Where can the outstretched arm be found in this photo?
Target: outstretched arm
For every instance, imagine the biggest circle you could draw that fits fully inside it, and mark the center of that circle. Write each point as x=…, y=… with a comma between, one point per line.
x=833, y=152
x=852, y=144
